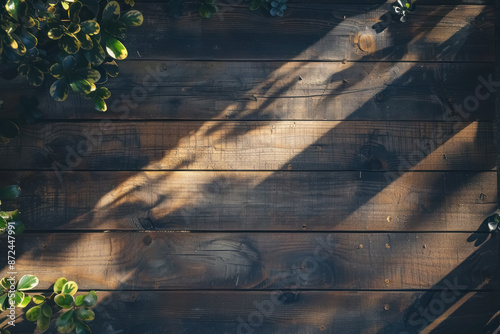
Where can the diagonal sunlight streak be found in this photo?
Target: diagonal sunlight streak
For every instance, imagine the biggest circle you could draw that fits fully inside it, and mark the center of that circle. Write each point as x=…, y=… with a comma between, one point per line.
x=215, y=136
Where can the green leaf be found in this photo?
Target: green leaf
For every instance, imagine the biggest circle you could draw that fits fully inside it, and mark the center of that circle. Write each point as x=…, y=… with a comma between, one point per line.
x=88, y=74
x=90, y=299
x=34, y=313
x=4, y=331
x=20, y=49
x=90, y=27
x=47, y=310
x=69, y=44
x=82, y=86
x=57, y=71
x=58, y=285
x=255, y=4
x=4, y=302
x=3, y=225
x=97, y=55
x=38, y=299
x=10, y=192
x=43, y=323
x=82, y=328
x=111, y=11
x=29, y=40
x=132, y=18
x=23, y=69
x=69, y=63
x=111, y=68
x=207, y=10
x=35, y=76
x=18, y=298
x=55, y=33
x=116, y=49
x=74, y=28
x=65, y=318
x=70, y=288
x=85, y=314
x=79, y=300
x=15, y=8
x=85, y=40
x=74, y=11
x=103, y=93
x=9, y=130
x=18, y=227
x=26, y=300
x=8, y=26
x=59, y=90
x=100, y=104
x=27, y=282
x=13, y=215
x=64, y=301
x=117, y=29
x=66, y=323
x=5, y=283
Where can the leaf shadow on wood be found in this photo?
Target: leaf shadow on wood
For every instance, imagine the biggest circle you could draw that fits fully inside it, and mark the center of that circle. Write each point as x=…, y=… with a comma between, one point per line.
x=452, y=305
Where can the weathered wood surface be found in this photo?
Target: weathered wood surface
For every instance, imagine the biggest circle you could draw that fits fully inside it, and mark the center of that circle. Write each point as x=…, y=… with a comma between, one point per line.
x=262, y=201
x=330, y=32
x=281, y=145
x=308, y=312
x=282, y=154
x=153, y=260
x=277, y=91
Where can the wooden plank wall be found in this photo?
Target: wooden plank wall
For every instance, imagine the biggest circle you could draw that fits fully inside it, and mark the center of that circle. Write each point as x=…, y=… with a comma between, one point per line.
x=254, y=175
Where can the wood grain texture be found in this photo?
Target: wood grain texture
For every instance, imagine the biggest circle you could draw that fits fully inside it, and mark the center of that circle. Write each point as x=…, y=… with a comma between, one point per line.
x=329, y=32
x=262, y=201
x=277, y=91
x=308, y=312
x=269, y=261
x=283, y=145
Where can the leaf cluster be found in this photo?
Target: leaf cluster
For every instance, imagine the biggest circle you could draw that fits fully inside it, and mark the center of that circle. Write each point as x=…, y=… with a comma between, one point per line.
x=10, y=221
x=78, y=308
x=274, y=7
x=13, y=292
x=401, y=8
x=76, y=42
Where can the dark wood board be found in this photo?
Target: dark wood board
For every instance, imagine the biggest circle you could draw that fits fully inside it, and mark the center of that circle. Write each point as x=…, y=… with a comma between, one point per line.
x=254, y=201
x=278, y=91
x=308, y=312
x=328, y=32
x=273, y=145
x=269, y=261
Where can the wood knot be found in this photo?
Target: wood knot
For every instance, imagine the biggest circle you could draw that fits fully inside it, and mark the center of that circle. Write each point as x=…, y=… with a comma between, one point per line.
x=365, y=42
x=147, y=240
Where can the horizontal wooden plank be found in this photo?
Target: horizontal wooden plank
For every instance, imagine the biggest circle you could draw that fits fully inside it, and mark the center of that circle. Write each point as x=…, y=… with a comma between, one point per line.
x=297, y=3
x=309, y=312
x=262, y=201
x=273, y=145
x=153, y=260
x=317, y=32
x=277, y=91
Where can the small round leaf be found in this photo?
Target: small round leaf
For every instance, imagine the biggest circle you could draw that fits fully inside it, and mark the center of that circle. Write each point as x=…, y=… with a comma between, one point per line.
x=70, y=288
x=58, y=285
x=85, y=314
x=34, y=313
x=116, y=49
